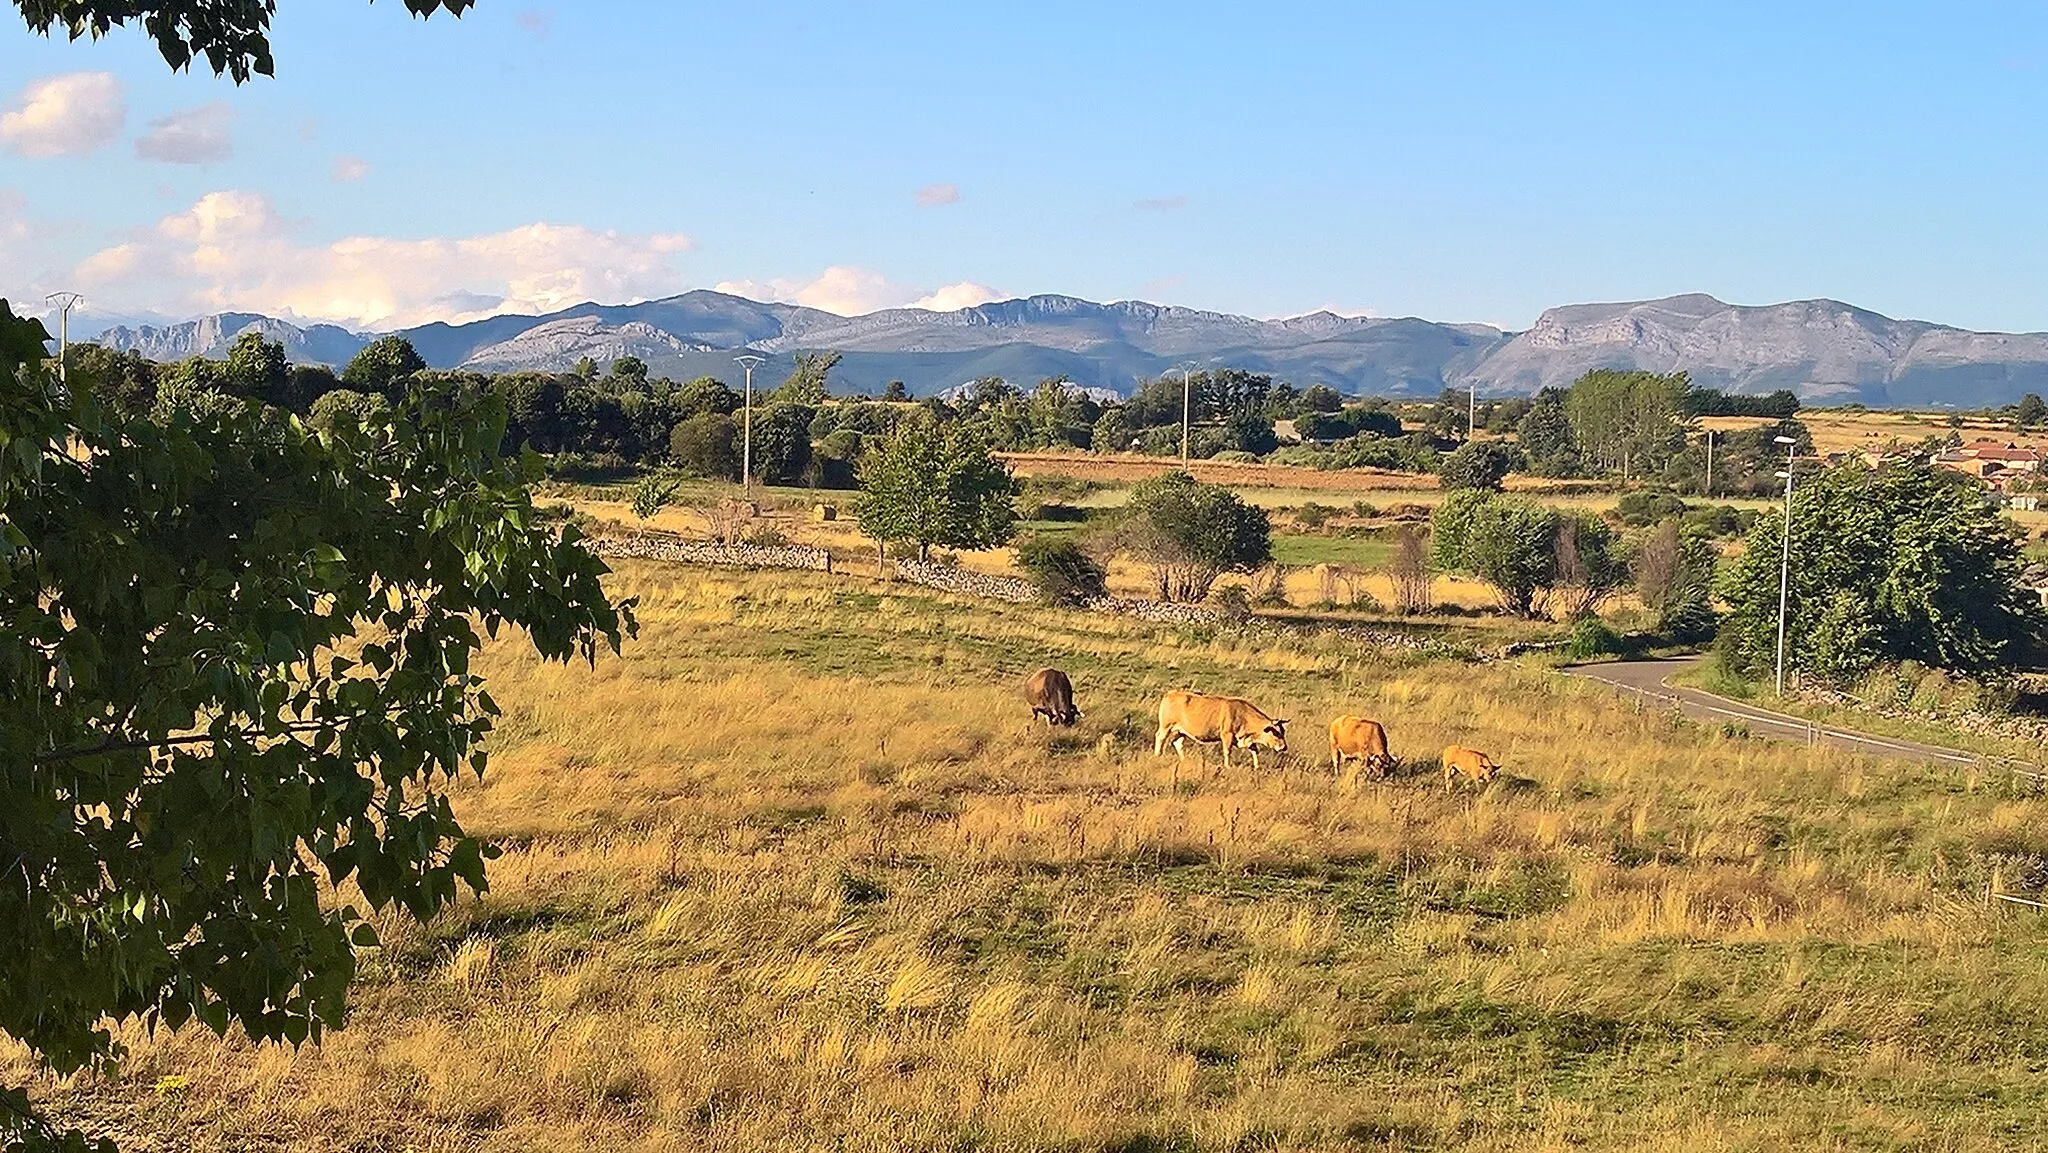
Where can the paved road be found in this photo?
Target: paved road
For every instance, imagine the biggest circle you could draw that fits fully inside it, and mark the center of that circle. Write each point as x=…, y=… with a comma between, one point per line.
x=1648, y=677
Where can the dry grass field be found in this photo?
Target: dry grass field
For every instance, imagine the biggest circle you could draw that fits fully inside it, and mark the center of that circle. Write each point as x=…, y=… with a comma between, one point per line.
x=796, y=873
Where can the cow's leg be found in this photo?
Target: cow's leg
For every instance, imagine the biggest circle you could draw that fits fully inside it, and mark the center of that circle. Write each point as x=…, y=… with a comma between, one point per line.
x=1159, y=741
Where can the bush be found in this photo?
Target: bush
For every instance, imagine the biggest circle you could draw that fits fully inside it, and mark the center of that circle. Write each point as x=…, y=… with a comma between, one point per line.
x=767, y=536
x=1313, y=515
x=1062, y=570
x=1232, y=601
x=1591, y=637
x=1638, y=509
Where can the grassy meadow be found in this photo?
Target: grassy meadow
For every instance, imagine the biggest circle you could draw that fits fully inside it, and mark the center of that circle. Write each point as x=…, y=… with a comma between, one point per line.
x=796, y=872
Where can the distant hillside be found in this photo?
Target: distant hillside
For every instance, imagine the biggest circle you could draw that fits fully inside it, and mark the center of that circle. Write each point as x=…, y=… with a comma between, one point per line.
x=1824, y=350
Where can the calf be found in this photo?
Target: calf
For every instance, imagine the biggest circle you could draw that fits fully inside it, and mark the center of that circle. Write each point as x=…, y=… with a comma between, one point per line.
x=1470, y=764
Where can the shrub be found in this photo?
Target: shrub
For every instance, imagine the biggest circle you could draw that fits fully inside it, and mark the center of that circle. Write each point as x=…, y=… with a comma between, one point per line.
x=1233, y=601
x=1062, y=569
x=1638, y=509
x=1313, y=515
x=1591, y=637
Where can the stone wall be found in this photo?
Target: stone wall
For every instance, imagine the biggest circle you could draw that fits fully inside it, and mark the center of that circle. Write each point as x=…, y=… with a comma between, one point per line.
x=704, y=552
x=1020, y=591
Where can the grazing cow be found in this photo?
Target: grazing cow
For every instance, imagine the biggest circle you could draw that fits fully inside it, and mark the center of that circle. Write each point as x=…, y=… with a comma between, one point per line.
x=1228, y=721
x=1051, y=695
x=1470, y=764
x=1360, y=739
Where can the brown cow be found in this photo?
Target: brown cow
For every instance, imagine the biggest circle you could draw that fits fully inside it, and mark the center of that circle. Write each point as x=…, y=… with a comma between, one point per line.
x=1051, y=695
x=1470, y=764
x=1229, y=721
x=1356, y=737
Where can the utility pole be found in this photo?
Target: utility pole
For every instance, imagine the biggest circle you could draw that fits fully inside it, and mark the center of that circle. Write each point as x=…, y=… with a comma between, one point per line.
x=1709, y=486
x=1472, y=409
x=747, y=361
x=65, y=302
x=1187, y=394
x=1785, y=555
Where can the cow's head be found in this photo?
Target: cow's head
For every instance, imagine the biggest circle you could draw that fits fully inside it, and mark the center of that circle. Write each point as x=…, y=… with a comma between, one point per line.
x=1485, y=770
x=1273, y=736
x=1070, y=716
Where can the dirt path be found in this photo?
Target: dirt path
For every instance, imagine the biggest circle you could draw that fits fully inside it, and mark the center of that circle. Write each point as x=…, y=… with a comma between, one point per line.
x=1647, y=679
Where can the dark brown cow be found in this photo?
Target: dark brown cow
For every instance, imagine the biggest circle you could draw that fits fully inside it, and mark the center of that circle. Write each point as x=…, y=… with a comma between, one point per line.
x=1051, y=695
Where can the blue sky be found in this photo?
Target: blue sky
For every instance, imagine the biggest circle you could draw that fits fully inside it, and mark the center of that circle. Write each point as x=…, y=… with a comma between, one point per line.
x=1477, y=161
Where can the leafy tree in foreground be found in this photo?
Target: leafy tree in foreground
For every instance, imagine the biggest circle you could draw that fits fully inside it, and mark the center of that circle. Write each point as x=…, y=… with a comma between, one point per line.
x=234, y=668
x=1189, y=533
x=1897, y=563
x=930, y=485
x=233, y=35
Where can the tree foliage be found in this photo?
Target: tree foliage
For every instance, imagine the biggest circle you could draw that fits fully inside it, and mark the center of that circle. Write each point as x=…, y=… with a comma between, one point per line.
x=232, y=35
x=936, y=485
x=807, y=383
x=782, y=443
x=1896, y=563
x=1189, y=533
x=1507, y=542
x=1479, y=464
x=234, y=670
x=1627, y=422
x=708, y=445
x=384, y=366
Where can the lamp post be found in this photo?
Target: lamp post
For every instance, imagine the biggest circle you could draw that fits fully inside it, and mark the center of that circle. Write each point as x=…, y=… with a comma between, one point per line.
x=1785, y=555
x=65, y=302
x=747, y=361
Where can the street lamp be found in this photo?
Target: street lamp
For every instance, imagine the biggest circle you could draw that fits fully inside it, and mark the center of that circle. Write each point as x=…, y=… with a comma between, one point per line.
x=747, y=361
x=1785, y=555
x=65, y=302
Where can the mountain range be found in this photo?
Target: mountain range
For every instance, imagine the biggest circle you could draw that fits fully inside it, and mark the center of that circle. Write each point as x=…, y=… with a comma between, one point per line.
x=1824, y=350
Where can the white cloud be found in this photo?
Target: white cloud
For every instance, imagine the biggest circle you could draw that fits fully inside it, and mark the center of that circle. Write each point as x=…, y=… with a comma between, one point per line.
x=349, y=169
x=954, y=297
x=67, y=115
x=850, y=291
x=233, y=250
x=190, y=136
x=1161, y=204
x=934, y=195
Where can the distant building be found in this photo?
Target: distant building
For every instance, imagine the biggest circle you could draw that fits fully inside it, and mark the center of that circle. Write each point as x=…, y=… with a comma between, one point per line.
x=1991, y=461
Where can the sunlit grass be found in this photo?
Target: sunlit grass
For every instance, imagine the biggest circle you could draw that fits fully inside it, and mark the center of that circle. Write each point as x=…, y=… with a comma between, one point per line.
x=798, y=872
